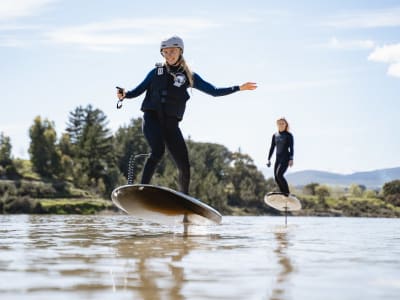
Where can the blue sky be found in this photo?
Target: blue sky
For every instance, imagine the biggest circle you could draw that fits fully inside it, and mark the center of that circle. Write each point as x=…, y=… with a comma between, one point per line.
x=331, y=68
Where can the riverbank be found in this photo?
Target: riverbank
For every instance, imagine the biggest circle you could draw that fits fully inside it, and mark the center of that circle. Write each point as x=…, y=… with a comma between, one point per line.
x=38, y=197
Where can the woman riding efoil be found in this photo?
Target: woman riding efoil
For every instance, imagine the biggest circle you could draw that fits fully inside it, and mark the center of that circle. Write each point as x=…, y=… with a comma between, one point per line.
x=283, y=141
x=164, y=106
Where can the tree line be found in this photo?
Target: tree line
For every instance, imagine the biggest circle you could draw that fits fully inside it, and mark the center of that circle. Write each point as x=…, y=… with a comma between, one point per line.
x=88, y=155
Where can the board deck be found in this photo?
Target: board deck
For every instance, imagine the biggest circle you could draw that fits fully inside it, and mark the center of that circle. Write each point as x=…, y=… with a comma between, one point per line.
x=156, y=202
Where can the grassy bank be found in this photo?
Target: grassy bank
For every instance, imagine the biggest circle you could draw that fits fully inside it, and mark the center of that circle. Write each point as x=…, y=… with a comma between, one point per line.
x=75, y=206
x=347, y=207
x=40, y=197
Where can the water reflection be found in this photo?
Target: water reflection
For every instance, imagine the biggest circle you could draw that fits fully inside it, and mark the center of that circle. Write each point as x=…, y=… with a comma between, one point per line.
x=129, y=258
x=144, y=271
x=117, y=257
x=283, y=277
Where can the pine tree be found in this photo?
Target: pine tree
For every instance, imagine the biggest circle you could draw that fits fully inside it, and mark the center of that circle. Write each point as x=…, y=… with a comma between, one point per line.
x=91, y=147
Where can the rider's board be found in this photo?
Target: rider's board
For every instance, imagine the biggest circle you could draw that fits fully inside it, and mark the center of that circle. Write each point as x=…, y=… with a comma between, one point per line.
x=282, y=202
x=157, y=203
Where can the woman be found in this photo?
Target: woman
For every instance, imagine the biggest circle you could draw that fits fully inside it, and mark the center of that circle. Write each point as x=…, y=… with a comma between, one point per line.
x=283, y=141
x=164, y=106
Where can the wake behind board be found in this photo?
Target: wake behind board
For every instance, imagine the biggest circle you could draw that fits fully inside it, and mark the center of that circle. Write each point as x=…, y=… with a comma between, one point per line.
x=282, y=202
x=161, y=203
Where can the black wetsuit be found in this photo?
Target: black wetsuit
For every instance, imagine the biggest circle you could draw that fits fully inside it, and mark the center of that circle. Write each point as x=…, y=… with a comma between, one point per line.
x=164, y=107
x=283, y=141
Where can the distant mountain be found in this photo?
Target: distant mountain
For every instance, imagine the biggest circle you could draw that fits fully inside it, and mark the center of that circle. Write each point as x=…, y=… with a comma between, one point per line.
x=371, y=179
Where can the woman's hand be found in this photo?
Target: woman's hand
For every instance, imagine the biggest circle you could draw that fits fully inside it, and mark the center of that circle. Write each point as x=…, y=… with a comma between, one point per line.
x=290, y=163
x=121, y=93
x=248, y=86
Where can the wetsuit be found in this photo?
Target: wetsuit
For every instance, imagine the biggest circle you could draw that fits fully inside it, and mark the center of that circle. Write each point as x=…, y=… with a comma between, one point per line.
x=283, y=141
x=164, y=107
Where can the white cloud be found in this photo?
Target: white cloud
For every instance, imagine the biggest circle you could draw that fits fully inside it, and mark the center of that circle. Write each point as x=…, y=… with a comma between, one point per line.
x=388, y=54
x=12, y=35
x=394, y=70
x=116, y=34
x=389, y=17
x=11, y=9
x=350, y=44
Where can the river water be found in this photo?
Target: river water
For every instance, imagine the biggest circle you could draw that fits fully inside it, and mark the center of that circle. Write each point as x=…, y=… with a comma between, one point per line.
x=119, y=257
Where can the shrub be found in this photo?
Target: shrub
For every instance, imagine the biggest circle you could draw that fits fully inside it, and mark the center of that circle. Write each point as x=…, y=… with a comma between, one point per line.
x=7, y=188
x=393, y=199
x=322, y=191
x=370, y=194
x=21, y=205
x=36, y=189
x=391, y=188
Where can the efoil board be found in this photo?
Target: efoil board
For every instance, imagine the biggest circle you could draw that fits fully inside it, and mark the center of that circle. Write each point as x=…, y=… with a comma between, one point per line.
x=160, y=203
x=282, y=202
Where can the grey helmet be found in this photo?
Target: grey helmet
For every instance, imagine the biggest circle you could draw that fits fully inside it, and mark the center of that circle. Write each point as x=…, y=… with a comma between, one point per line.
x=173, y=41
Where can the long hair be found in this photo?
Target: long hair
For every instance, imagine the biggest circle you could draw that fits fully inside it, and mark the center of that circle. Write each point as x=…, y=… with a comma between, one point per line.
x=188, y=71
x=287, y=123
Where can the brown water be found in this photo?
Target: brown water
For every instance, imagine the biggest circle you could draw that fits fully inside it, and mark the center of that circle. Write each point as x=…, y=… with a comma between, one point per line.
x=118, y=257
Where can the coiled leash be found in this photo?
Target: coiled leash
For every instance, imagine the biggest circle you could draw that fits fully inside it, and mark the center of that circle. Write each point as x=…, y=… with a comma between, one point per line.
x=132, y=158
x=132, y=166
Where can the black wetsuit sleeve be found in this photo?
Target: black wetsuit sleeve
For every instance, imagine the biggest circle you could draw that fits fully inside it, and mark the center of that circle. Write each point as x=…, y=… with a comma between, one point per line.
x=143, y=86
x=208, y=88
x=291, y=147
x=271, y=149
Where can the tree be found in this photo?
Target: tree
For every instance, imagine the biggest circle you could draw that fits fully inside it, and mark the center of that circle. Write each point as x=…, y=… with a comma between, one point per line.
x=310, y=189
x=66, y=151
x=356, y=190
x=44, y=156
x=7, y=166
x=391, y=188
x=249, y=183
x=391, y=192
x=209, y=176
x=322, y=191
x=271, y=185
x=76, y=123
x=5, y=150
x=92, y=150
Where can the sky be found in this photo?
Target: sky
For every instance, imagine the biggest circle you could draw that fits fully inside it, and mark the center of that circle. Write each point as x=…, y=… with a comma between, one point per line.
x=331, y=68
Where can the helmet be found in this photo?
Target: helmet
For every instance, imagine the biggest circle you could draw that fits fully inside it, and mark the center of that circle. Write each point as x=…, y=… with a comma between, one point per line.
x=173, y=41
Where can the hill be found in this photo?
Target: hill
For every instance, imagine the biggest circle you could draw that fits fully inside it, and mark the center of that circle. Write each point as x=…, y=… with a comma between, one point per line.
x=371, y=179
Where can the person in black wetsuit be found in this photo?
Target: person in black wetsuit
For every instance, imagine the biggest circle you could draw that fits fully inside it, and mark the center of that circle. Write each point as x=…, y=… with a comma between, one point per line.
x=283, y=141
x=164, y=106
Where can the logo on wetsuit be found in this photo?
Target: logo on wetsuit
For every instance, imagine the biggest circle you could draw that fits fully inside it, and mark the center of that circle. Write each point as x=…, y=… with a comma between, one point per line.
x=179, y=79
